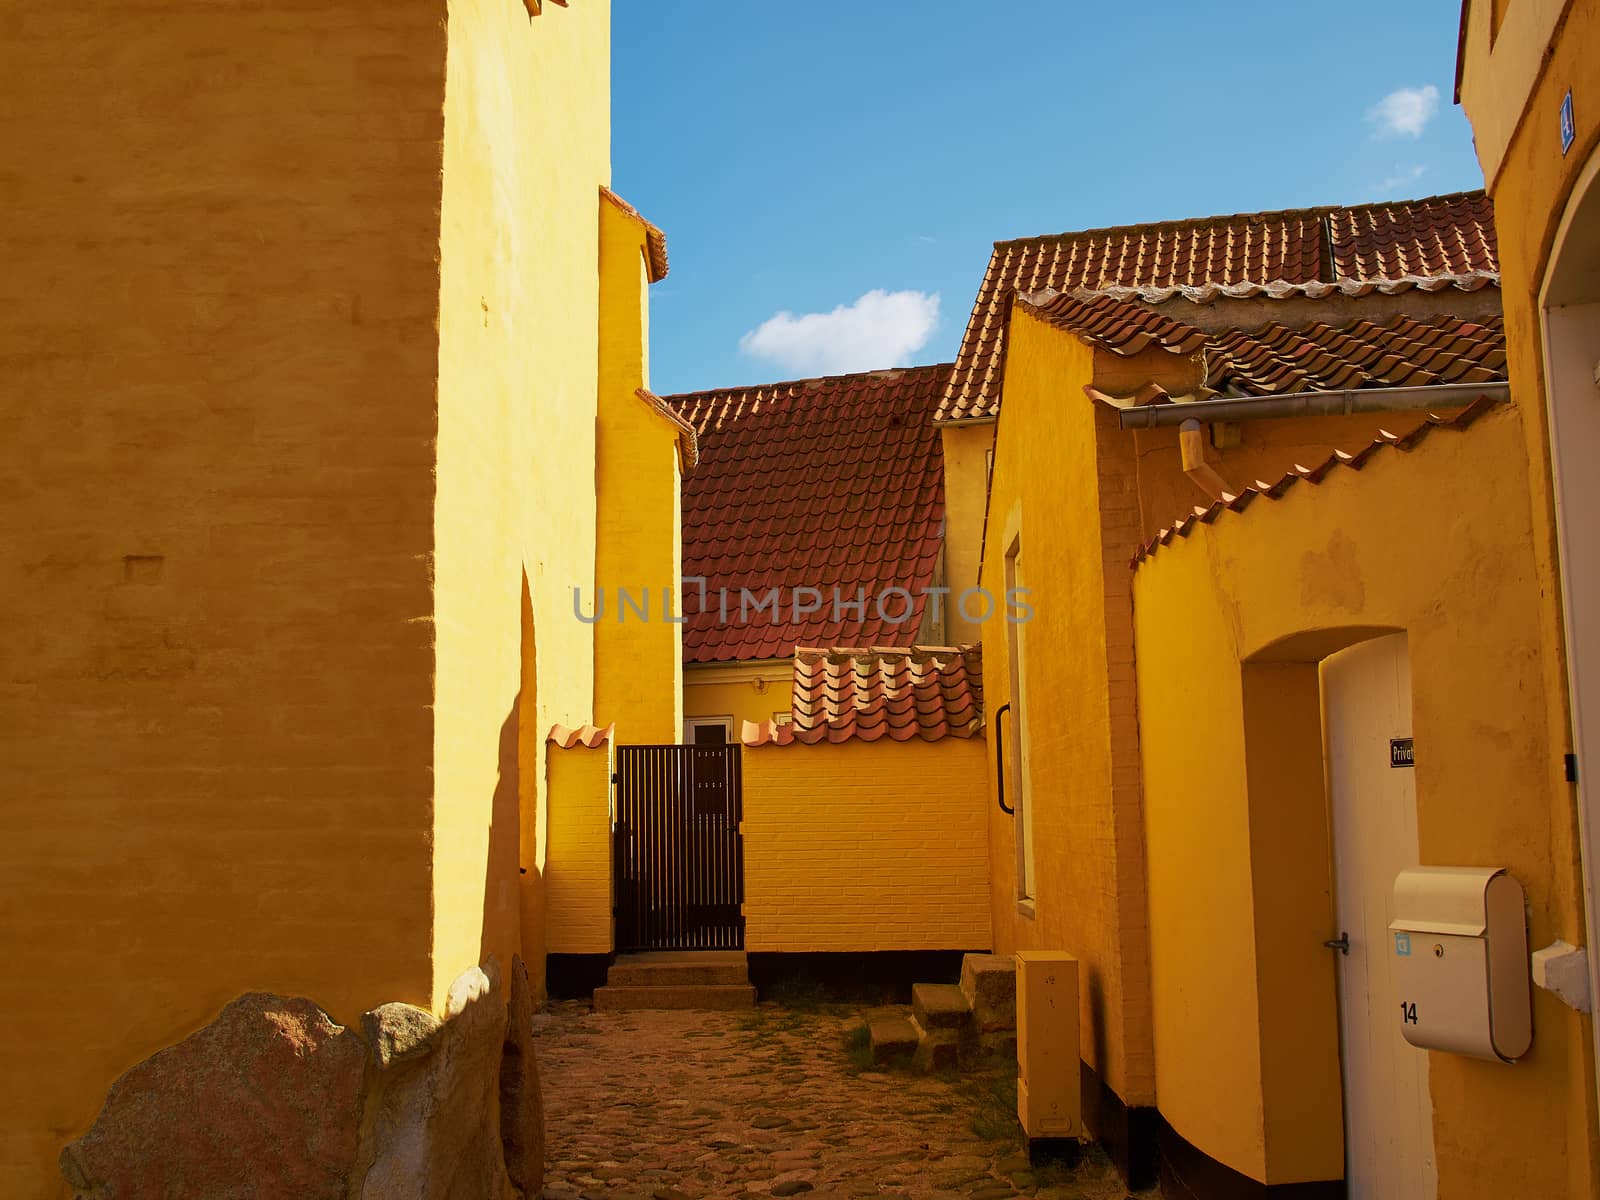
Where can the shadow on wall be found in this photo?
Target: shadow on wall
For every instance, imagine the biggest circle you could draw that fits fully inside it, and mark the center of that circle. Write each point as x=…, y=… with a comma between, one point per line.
x=513, y=887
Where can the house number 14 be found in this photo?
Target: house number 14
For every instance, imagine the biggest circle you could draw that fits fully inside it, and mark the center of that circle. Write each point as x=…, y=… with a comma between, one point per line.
x=1408, y=1012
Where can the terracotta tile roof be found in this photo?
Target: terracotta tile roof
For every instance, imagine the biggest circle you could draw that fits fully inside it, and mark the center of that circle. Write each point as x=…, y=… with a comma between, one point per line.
x=1116, y=325
x=821, y=483
x=590, y=736
x=1401, y=352
x=655, y=241
x=1313, y=475
x=1442, y=235
x=1276, y=254
x=923, y=692
x=1209, y=293
x=688, y=439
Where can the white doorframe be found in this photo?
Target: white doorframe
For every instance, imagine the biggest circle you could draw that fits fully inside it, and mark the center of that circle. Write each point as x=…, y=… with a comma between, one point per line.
x=1569, y=316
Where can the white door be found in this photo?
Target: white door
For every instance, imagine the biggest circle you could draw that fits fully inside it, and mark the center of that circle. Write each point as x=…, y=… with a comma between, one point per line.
x=1388, y=1113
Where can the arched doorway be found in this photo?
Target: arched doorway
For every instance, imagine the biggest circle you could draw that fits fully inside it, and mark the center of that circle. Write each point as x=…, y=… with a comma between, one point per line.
x=1569, y=306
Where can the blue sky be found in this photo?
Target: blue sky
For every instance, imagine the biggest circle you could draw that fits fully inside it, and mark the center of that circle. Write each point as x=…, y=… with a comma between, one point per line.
x=801, y=158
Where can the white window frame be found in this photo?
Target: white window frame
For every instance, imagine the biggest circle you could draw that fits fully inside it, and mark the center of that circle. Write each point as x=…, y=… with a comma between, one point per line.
x=1017, y=679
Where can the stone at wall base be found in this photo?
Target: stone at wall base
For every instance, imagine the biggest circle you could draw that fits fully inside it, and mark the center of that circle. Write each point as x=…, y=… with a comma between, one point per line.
x=521, y=1102
x=272, y=1099
x=263, y=1102
x=435, y=1134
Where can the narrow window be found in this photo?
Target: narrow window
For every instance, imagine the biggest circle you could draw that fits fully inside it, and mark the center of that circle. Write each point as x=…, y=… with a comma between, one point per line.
x=1017, y=745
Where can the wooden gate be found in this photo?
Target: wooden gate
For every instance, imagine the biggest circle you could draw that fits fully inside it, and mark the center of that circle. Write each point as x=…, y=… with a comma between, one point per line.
x=679, y=855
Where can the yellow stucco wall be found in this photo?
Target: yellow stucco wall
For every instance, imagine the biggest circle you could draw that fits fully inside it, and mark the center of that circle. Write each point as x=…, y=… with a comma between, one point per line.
x=1075, y=506
x=866, y=846
x=578, y=872
x=745, y=691
x=966, y=481
x=638, y=659
x=215, y=727
x=1264, y=450
x=1512, y=93
x=526, y=148
x=1246, y=1039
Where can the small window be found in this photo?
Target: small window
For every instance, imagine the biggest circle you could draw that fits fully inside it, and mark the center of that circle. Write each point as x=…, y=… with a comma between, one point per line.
x=708, y=731
x=1017, y=747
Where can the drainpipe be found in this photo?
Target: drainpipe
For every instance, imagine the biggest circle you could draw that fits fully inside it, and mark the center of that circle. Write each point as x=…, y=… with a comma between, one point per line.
x=1192, y=443
x=1312, y=404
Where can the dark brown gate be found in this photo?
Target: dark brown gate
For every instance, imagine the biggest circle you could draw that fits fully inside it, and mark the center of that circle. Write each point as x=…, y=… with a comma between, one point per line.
x=679, y=855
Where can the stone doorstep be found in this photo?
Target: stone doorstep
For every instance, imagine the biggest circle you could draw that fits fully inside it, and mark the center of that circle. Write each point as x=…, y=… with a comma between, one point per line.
x=893, y=1038
x=719, y=997
x=939, y=1006
x=627, y=973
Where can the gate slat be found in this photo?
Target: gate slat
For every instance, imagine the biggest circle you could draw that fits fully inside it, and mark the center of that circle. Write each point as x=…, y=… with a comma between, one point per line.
x=679, y=866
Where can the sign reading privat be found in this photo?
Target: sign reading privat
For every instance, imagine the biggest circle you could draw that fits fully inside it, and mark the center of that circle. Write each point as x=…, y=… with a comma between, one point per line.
x=1401, y=753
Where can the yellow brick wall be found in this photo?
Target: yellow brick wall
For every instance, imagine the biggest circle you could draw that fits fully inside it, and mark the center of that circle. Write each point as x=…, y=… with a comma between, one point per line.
x=526, y=148
x=1246, y=1032
x=866, y=846
x=577, y=877
x=220, y=279
x=1078, y=509
x=638, y=660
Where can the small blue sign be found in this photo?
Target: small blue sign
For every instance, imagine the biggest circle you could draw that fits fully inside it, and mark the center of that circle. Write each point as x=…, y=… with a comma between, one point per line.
x=1569, y=127
x=1402, y=945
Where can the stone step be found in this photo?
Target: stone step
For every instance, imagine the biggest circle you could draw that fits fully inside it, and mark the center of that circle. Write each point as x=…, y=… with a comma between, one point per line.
x=938, y=1049
x=720, y=996
x=989, y=983
x=675, y=969
x=939, y=1006
x=894, y=1039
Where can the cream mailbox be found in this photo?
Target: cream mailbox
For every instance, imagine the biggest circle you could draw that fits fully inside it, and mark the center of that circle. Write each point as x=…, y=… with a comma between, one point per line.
x=1459, y=947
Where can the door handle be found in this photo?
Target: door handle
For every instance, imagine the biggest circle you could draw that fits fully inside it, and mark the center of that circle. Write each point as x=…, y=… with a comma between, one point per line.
x=1340, y=943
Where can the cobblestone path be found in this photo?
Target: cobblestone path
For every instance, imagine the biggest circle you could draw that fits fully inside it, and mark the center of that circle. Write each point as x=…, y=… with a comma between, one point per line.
x=685, y=1105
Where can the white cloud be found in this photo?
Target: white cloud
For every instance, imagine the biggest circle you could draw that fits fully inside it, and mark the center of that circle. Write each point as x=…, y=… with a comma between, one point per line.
x=881, y=329
x=1401, y=178
x=1405, y=112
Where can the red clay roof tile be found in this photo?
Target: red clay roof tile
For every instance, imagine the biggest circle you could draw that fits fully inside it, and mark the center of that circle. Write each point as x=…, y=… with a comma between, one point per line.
x=822, y=483
x=1274, y=359
x=590, y=736
x=655, y=241
x=1115, y=325
x=840, y=694
x=1313, y=251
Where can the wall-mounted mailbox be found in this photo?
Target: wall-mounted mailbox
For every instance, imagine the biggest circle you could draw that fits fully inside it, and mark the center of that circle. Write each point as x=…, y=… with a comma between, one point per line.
x=1459, y=948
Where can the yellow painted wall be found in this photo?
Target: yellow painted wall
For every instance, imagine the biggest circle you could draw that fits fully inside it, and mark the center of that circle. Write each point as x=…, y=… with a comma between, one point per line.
x=526, y=148
x=638, y=660
x=1079, y=514
x=577, y=878
x=1266, y=450
x=746, y=692
x=966, y=481
x=218, y=416
x=1244, y=1045
x=866, y=846
x=1512, y=93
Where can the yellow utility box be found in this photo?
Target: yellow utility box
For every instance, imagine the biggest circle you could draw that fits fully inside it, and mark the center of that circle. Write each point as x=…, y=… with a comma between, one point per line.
x=1048, y=1082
